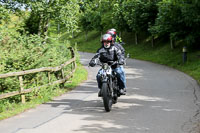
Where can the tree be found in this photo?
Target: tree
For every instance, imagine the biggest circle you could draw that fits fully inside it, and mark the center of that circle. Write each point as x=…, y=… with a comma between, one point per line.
x=139, y=14
x=169, y=21
x=45, y=11
x=191, y=16
x=118, y=17
x=97, y=15
x=105, y=10
x=4, y=14
x=86, y=19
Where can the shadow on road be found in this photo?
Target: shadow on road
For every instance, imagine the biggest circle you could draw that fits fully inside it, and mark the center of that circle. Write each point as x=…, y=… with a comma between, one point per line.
x=136, y=111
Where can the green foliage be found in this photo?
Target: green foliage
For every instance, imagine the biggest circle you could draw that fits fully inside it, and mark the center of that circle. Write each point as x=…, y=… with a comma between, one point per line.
x=43, y=12
x=97, y=15
x=4, y=14
x=169, y=20
x=87, y=18
x=139, y=14
x=190, y=10
x=105, y=10
x=32, y=23
x=179, y=20
x=20, y=52
x=8, y=108
x=91, y=45
x=68, y=14
x=118, y=18
x=95, y=18
x=161, y=54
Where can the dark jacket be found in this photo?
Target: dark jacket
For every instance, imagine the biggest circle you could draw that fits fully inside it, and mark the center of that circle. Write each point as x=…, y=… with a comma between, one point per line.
x=109, y=54
x=119, y=46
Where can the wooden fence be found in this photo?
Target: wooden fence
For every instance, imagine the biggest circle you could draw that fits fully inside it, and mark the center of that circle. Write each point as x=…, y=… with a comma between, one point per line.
x=49, y=70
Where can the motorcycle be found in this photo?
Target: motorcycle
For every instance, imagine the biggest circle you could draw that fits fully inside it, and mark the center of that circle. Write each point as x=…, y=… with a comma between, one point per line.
x=109, y=85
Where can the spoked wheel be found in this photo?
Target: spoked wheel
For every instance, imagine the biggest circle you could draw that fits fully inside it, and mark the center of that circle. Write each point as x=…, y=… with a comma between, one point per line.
x=107, y=98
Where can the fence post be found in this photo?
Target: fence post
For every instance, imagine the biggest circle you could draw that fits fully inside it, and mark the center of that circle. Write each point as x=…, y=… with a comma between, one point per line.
x=63, y=74
x=49, y=77
x=21, y=89
x=72, y=66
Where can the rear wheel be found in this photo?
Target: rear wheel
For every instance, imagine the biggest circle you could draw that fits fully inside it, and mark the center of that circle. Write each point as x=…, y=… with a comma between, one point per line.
x=107, y=98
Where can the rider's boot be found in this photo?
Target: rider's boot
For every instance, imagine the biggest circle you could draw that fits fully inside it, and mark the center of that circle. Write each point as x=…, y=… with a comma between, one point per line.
x=99, y=93
x=122, y=91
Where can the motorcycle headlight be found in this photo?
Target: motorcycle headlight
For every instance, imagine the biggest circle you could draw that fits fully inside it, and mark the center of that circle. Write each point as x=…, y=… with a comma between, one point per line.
x=105, y=66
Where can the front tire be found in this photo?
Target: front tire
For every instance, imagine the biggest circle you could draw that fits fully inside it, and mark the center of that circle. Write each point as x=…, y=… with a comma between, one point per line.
x=107, y=98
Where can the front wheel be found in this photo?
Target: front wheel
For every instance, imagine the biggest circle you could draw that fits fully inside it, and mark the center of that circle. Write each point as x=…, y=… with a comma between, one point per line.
x=107, y=98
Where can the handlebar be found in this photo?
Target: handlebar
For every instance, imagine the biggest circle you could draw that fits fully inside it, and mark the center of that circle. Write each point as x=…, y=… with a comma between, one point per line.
x=110, y=63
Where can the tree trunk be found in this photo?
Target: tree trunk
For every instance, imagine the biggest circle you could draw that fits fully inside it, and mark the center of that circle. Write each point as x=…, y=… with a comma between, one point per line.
x=86, y=35
x=120, y=33
x=40, y=25
x=172, y=43
x=152, y=41
x=136, y=38
x=58, y=28
x=72, y=34
x=46, y=27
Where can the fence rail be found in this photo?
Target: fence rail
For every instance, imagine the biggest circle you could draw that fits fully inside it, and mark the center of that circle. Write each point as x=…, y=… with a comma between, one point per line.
x=20, y=75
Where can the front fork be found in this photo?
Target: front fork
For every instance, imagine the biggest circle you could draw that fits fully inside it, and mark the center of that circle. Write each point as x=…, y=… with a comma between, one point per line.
x=108, y=80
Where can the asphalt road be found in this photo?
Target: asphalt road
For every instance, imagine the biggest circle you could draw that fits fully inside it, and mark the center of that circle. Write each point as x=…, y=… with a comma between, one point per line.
x=159, y=100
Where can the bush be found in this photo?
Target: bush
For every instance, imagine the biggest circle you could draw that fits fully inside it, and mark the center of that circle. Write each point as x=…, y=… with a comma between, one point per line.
x=21, y=52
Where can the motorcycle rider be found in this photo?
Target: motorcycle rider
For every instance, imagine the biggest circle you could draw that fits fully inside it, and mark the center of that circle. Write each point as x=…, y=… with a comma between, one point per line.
x=117, y=44
x=107, y=53
x=113, y=33
x=116, y=37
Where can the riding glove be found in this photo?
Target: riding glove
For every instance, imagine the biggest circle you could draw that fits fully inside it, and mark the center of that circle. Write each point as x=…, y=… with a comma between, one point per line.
x=92, y=63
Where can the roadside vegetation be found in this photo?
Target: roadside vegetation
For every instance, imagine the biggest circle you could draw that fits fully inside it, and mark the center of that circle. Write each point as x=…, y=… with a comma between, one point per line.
x=11, y=107
x=27, y=42
x=161, y=53
x=153, y=30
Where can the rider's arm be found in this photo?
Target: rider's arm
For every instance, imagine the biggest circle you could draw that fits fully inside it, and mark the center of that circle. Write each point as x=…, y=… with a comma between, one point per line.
x=120, y=57
x=97, y=55
x=93, y=61
x=122, y=50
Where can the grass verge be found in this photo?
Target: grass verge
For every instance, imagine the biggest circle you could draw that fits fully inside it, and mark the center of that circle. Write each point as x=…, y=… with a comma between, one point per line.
x=13, y=108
